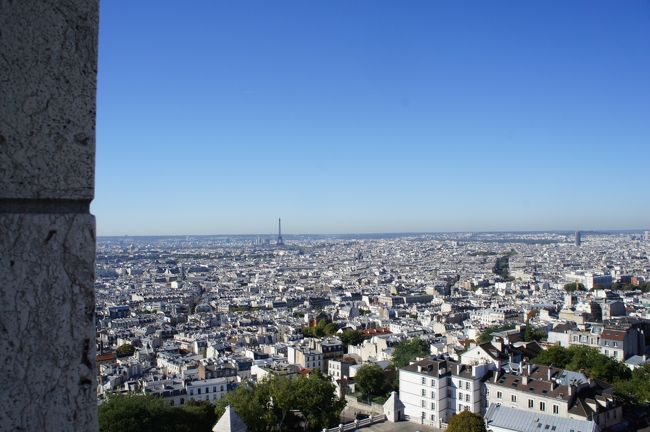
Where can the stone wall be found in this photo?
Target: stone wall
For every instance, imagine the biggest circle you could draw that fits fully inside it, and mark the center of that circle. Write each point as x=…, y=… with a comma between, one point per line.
x=48, y=68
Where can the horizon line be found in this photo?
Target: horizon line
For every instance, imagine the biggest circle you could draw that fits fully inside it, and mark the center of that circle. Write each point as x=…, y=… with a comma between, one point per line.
x=551, y=231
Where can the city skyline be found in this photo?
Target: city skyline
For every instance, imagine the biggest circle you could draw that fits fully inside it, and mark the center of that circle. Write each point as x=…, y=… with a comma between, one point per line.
x=369, y=117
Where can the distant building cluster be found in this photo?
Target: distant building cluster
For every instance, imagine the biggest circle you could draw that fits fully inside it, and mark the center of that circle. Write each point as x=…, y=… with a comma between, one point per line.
x=192, y=318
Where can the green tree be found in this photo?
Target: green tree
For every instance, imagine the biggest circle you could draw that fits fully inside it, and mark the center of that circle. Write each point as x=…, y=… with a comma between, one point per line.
x=573, y=286
x=351, y=337
x=636, y=390
x=587, y=359
x=596, y=365
x=140, y=413
x=317, y=401
x=466, y=422
x=199, y=415
x=408, y=350
x=330, y=329
x=556, y=355
x=486, y=335
x=370, y=381
x=125, y=350
x=280, y=404
x=134, y=413
x=250, y=405
x=533, y=334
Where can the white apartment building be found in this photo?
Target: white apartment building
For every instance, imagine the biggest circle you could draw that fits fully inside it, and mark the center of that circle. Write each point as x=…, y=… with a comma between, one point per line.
x=433, y=389
x=210, y=390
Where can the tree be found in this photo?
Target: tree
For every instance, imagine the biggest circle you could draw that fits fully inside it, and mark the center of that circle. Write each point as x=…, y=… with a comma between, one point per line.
x=486, y=335
x=533, y=334
x=250, y=405
x=140, y=413
x=281, y=404
x=587, y=359
x=555, y=355
x=125, y=350
x=596, y=365
x=466, y=422
x=199, y=416
x=636, y=390
x=317, y=401
x=408, y=350
x=573, y=286
x=370, y=380
x=351, y=337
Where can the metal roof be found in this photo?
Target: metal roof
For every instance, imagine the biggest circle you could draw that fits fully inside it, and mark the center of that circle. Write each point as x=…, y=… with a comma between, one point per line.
x=512, y=419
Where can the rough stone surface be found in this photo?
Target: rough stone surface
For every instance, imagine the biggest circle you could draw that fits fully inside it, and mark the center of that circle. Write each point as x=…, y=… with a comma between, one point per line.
x=48, y=68
x=47, y=332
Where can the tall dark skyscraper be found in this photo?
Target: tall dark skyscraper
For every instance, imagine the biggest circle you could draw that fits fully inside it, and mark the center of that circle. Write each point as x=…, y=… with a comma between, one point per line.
x=578, y=238
x=280, y=241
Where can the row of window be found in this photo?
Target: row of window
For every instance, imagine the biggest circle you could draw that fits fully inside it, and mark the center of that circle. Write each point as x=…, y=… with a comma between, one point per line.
x=531, y=403
x=461, y=384
x=424, y=394
x=424, y=405
x=207, y=390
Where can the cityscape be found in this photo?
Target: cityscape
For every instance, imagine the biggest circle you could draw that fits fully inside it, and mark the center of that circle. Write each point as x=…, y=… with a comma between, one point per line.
x=449, y=322
x=325, y=216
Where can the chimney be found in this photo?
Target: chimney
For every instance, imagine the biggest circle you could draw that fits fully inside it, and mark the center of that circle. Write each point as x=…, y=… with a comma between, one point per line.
x=529, y=368
x=549, y=373
x=524, y=379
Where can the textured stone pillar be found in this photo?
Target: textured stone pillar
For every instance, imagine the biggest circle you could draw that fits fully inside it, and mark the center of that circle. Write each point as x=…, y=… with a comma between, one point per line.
x=48, y=69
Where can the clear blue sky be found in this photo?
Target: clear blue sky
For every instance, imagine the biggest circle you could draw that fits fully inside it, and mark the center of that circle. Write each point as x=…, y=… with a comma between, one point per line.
x=370, y=116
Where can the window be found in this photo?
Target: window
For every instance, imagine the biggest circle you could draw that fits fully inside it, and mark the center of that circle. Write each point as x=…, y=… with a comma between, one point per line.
x=433, y=383
x=467, y=397
x=207, y=389
x=542, y=406
x=214, y=389
x=499, y=395
x=423, y=404
x=466, y=408
x=460, y=396
x=531, y=403
x=433, y=417
x=460, y=407
x=198, y=391
x=556, y=409
x=433, y=406
x=424, y=392
x=424, y=381
x=513, y=398
x=615, y=344
x=467, y=385
x=191, y=392
x=433, y=395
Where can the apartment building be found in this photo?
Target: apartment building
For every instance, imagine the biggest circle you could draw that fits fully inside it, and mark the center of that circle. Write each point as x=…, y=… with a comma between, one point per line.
x=433, y=389
x=550, y=391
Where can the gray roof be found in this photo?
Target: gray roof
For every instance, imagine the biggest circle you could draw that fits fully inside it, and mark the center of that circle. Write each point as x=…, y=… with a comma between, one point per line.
x=229, y=422
x=516, y=420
